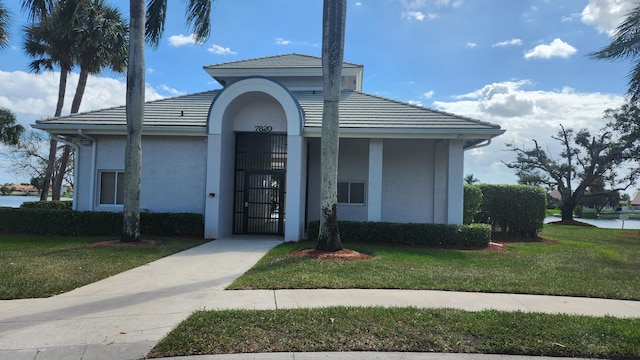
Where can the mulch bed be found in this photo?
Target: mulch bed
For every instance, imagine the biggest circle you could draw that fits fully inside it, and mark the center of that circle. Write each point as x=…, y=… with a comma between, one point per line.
x=571, y=222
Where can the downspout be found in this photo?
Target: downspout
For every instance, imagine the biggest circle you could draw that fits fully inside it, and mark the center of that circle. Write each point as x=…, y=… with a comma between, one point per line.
x=92, y=184
x=74, y=202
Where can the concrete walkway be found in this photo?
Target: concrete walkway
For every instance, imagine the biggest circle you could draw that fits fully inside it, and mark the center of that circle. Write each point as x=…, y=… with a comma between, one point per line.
x=124, y=316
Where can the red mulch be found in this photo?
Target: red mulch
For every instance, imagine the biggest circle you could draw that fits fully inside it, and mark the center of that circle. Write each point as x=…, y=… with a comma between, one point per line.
x=571, y=222
x=496, y=244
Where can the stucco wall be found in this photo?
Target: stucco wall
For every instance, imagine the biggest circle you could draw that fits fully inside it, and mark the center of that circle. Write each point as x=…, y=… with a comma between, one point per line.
x=82, y=187
x=407, y=181
x=173, y=172
x=353, y=165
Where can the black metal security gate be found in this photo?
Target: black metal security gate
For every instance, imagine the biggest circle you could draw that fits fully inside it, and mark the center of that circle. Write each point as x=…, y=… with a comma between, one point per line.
x=260, y=169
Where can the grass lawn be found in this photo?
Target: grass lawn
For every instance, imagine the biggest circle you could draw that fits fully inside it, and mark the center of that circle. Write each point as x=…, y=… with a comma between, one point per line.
x=42, y=266
x=585, y=261
x=402, y=329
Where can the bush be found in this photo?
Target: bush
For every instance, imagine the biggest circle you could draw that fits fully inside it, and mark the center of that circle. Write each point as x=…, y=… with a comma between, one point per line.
x=54, y=205
x=513, y=209
x=472, y=202
x=93, y=223
x=437, y=235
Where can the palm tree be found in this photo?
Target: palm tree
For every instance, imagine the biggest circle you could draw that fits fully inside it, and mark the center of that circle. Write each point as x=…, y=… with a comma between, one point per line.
x=625, y=44
x=333, y=29
x=198, y=14
x=470, y=179
x=52, y=46
x=5, y=20
x=101, y=41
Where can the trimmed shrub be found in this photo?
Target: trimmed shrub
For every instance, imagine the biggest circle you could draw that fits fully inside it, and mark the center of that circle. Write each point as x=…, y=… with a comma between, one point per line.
x=472, y=202
x=54, y=205
x=93, y=223
x=517, y=210
x=437, y=235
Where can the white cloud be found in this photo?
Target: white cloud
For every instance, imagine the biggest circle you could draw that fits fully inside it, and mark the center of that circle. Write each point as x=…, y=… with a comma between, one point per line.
x=181, y=40
x=606, y=15
x=282, y=41
x=219, y=50
x=359, y=3
x=428, y=94
x=414, y=15
x=512, y=42
x=526, y=114
x=557, y=48
x=32, y=97
x=471, y=45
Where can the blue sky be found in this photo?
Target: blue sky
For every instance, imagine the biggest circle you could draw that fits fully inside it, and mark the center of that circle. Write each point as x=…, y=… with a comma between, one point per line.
x=521, y=64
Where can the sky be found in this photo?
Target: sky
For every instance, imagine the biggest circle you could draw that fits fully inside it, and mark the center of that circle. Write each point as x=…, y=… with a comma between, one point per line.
x=522, y=64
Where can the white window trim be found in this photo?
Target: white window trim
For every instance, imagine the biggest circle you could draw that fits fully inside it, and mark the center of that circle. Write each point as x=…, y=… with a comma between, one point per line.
x=114, y=207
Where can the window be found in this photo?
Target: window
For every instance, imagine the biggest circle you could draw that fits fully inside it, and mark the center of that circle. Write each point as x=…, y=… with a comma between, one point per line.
x=351, y=192
x=112, y=187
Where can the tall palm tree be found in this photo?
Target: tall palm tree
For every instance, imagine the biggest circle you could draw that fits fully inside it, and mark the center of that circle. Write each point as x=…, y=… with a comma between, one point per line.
x=333, y=29
x=199, y=16
x=625, y=44
x=5, y=21
x=101, y=41
x=52, y=46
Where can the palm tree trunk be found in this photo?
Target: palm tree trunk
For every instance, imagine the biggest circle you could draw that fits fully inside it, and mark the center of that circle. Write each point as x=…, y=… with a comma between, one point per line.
x=135, y=116
x=333, y=28
x=53, y=144
x=56, y=188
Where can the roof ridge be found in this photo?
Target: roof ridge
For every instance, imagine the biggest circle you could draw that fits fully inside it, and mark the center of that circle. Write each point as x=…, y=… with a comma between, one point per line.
x=277, y=56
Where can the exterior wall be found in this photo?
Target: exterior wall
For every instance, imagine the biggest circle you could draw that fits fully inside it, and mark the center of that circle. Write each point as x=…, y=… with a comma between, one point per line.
x=173, y=172
x=407, y=181
x=83, y=190
x=353, y=165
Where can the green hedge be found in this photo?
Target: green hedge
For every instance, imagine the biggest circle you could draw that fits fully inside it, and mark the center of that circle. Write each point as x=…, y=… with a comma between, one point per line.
x=56, y=205
x=513, y=209
x=91, y=223
x=472, y=202
x=439, y=235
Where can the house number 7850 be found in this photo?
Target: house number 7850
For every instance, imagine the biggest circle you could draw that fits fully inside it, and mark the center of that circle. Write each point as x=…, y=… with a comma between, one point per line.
x=263, y=128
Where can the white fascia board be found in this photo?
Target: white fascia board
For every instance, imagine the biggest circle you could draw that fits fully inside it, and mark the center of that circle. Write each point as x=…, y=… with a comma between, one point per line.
x=479, y=134
x=278, y=72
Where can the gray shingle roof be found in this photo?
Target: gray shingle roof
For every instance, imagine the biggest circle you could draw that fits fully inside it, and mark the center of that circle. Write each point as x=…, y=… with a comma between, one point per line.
x=359, y=112
x=287, y=61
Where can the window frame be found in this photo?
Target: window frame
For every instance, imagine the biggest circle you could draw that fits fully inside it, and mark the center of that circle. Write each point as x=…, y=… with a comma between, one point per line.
x=117, y=184
x=350, y=183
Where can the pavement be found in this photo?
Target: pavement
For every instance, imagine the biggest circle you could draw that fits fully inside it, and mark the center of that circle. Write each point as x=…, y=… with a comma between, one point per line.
x=124, y=316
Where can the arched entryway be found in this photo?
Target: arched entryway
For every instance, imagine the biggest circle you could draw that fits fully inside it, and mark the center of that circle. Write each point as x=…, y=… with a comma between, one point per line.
x=255, y=161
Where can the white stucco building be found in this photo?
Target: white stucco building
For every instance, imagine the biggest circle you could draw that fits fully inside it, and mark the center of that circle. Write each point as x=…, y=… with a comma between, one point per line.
x=247, y=156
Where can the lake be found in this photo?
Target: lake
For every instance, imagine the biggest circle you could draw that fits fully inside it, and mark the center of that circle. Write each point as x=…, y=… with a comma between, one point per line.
x=16, y=201
x=603, y=223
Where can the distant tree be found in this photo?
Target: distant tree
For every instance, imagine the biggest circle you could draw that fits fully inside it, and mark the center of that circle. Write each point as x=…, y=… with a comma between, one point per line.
x=6, y=190
x=10, y=131
x=584, y=160
x=598, y=198
x=470, y=179
x=36, y=182
x=625, y=44
x=29, y=157
x=5, y=21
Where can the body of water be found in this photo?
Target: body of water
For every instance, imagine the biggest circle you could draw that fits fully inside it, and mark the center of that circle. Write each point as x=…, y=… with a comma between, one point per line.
x=16, y=201
x=603, y=223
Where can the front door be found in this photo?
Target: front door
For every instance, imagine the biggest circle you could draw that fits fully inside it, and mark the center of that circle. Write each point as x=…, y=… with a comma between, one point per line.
x=259, y=184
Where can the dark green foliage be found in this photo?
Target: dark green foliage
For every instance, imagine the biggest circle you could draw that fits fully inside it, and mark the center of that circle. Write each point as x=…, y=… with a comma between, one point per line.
x=91, y=223
x=54, y=205
x=517, y=210
x=439, y=235
x=472, y=202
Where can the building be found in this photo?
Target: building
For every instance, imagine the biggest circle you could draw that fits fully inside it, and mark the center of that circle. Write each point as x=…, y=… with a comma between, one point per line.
x=247, y=156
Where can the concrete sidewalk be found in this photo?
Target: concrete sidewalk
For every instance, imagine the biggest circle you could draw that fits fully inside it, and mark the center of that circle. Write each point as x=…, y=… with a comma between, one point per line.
x=124, y=316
